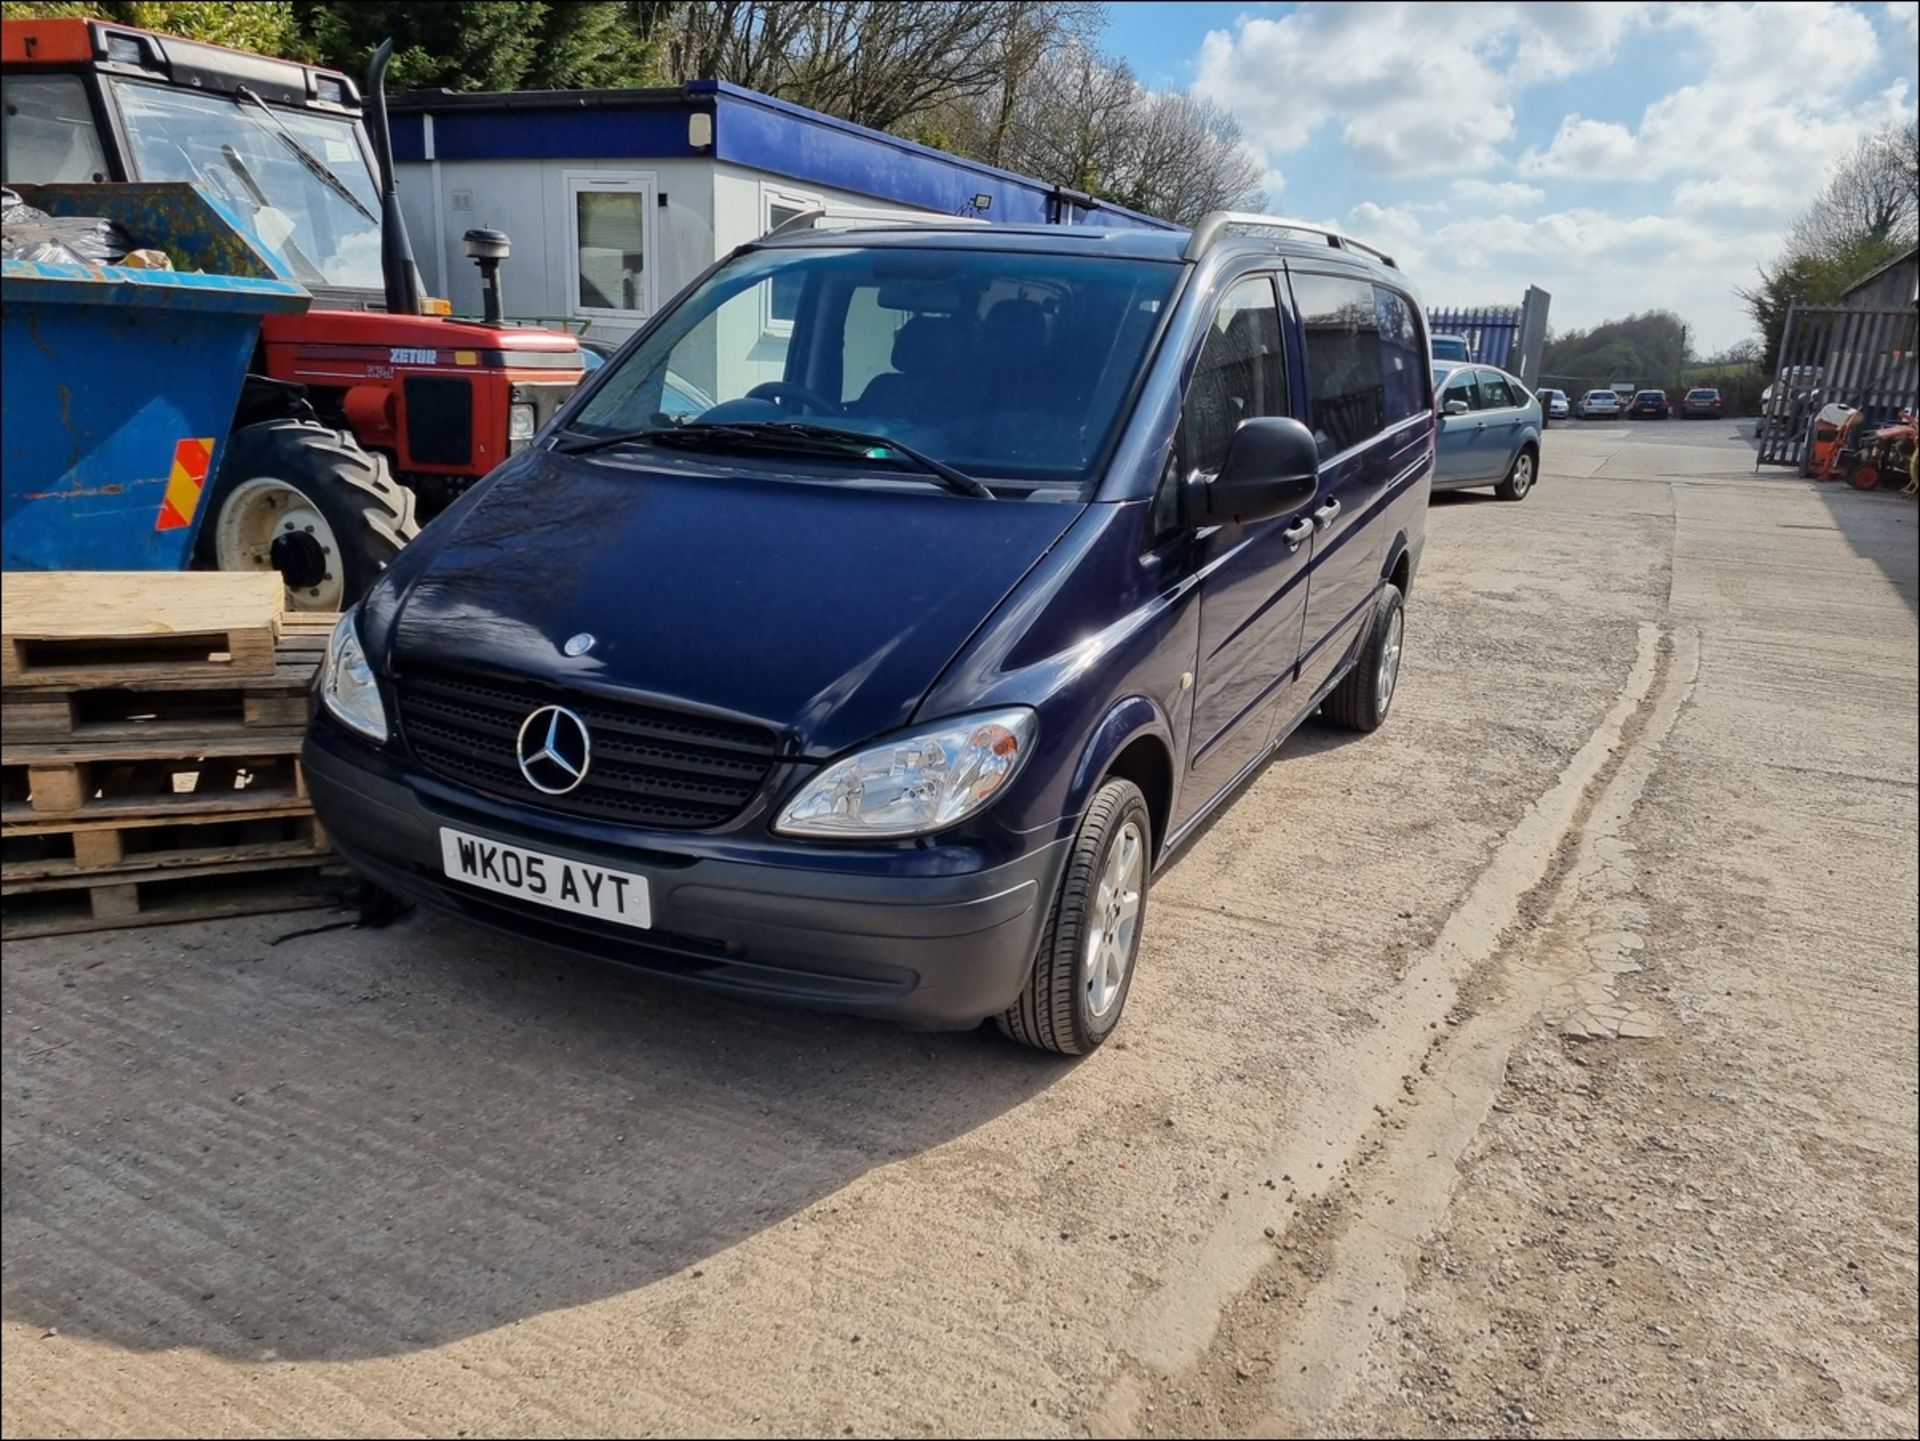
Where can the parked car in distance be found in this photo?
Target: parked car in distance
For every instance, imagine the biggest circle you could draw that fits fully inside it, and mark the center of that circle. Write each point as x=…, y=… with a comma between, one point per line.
x=1800, y=399
x=1489, y=431
x=1600, y=405
x=1451, y=347
x=1553, y=403
x=1648, y=404
x=1703, y=400
x=886, y=677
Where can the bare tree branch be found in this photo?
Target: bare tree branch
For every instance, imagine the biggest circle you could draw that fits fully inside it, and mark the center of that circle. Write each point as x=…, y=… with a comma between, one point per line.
x=1015, y=83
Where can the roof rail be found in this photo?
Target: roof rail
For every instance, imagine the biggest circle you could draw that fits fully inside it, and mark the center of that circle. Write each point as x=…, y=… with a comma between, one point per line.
x=1214, y=226
x=810, y=218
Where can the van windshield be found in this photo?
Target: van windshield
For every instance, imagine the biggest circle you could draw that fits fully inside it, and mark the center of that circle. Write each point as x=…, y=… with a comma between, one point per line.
x=1004, y=364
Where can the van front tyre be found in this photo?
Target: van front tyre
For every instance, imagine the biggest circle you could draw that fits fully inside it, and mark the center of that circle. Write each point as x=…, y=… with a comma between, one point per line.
x=1361, y=701
x=1084, y=968
x=308, y=502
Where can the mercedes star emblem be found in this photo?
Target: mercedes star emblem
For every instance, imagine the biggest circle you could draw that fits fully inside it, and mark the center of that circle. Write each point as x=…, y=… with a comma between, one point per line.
x=554, y=750
x=578, y=645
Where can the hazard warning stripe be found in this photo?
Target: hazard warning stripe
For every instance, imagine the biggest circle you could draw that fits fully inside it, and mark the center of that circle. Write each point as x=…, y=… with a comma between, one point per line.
x=192, y=458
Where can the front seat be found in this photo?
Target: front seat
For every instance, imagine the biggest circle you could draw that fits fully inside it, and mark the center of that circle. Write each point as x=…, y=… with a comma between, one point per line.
x=1015, y=374
x=916, y=390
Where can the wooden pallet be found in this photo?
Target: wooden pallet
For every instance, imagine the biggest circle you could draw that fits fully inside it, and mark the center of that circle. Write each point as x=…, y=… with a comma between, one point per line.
x=193, y=705
x=65, y=628
x=47, y=850
x=225, y=776
x=64, y=904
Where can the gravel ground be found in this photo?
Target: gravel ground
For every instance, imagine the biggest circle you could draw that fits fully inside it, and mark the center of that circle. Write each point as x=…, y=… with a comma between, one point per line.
x=1544, y=1063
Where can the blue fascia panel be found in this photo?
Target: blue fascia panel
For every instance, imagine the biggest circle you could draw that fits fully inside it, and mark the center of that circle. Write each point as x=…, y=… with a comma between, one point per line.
x=600, y=132
x=763, y=133
x=409, y=136
x=760, y=137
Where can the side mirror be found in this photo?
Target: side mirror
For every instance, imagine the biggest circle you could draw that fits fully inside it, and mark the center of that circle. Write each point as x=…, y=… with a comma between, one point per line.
x=1272, y=466
x=1457, y=407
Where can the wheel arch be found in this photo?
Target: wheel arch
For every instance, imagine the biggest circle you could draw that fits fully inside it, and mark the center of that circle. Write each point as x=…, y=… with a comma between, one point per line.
x=1398, y=568
x=1133, y=742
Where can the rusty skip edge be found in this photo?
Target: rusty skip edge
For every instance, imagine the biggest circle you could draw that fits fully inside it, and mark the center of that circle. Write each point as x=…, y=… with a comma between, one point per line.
x=27, y=282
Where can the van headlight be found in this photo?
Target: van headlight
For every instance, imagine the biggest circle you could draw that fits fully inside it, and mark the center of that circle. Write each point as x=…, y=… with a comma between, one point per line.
x=347, y=687
x=924, y=780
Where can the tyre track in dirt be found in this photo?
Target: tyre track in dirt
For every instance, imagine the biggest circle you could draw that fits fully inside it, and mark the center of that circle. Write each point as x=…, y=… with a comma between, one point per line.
x=1188, y=1332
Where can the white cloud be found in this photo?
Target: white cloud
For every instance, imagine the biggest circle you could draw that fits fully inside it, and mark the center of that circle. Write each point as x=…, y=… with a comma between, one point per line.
x=1758, y=129
x=1611, y=212
x=1509, y=193
x=1596, y=265
x=1905, y=15
x=1413, y=88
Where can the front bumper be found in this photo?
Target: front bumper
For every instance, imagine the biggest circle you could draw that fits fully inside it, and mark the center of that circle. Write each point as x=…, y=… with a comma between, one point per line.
x=934, y=950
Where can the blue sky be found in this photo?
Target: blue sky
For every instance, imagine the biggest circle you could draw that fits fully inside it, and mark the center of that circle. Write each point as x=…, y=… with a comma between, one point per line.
x=1623, y=156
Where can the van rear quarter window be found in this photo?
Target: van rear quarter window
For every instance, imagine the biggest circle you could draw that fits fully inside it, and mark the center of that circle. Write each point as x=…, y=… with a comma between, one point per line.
x=1403, y=356
x=1346, y=377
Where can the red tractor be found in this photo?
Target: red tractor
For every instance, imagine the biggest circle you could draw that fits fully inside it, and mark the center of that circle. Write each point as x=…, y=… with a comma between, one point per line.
x=373, y=410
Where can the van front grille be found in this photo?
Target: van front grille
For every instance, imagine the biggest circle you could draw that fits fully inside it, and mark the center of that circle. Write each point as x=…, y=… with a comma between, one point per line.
x=651, y=766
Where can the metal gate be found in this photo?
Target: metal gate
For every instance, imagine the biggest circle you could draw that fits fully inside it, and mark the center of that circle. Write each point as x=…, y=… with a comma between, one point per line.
x=1489, y=330
x=1834, y=354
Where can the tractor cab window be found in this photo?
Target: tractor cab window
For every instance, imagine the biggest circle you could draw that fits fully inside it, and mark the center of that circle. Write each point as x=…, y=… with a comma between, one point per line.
x=303, y=184
x=50, y=135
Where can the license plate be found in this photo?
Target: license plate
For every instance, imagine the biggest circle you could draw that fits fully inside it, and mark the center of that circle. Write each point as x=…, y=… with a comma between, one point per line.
x=566, y=885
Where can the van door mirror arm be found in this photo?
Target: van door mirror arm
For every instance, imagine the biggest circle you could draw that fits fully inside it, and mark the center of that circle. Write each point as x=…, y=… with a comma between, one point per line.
x=1272, y=466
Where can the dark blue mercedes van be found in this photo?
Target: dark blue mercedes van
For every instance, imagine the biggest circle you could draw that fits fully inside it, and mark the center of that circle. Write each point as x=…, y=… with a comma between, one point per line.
x=872, y=627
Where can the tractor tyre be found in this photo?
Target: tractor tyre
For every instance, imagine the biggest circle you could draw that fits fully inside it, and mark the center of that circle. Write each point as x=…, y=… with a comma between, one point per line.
x=307, y=501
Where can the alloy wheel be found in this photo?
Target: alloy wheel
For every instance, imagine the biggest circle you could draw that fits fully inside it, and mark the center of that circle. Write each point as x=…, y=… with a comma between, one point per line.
x=1113, y=926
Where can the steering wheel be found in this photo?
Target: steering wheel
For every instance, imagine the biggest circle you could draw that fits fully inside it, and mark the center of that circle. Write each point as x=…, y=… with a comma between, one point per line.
x=796, y=398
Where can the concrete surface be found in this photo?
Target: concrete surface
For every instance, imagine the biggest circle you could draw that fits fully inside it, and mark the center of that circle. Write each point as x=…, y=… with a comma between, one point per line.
x=1543, y=1063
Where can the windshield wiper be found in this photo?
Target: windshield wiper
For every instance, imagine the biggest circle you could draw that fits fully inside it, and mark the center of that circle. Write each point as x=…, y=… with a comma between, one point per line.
x=955, y=479
x=295, y=255
x=306, y=157
x=578, y=442
x=784, y=434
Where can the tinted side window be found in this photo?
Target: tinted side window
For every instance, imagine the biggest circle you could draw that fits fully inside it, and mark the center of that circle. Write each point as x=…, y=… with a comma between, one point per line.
x=1239, y=374
x=1344, y=371
x=1403, y=358
x=1495, y=393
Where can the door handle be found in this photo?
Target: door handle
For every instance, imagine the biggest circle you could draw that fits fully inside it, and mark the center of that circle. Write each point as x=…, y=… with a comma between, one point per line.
x=1324, y=516
x=1296, y=534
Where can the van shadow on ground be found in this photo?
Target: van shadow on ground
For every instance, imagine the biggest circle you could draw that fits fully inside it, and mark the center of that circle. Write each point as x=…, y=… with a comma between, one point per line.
x=366, y=1143
x=1880, y=525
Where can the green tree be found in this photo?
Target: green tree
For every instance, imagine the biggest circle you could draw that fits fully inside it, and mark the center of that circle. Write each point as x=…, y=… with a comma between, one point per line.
x=1645, y=349
x=265, y=26
x=1867, y=213
x=1812, y=278
x=586, y=44
x=484, y=44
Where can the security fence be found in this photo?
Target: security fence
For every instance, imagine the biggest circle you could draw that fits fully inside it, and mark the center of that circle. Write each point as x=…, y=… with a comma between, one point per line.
x=1833, y=354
